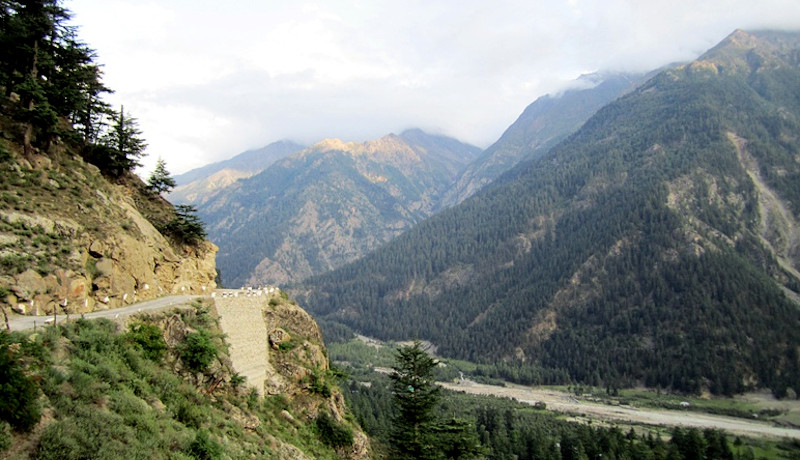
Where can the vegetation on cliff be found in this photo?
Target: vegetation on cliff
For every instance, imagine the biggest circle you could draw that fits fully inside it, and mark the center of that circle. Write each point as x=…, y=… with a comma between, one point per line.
x=162, y=387
x=77, y=228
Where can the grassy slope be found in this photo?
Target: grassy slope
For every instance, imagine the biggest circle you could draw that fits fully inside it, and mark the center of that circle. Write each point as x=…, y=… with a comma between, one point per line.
x=103, y=394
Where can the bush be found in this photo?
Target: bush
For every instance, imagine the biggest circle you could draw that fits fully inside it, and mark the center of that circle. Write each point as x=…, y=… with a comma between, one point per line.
x=332, y=433
x=19, y=395
x=204, y=448
x=237, y=380
x=198, y=351
x=5, y=436
x=319, y=384
x=150, y=339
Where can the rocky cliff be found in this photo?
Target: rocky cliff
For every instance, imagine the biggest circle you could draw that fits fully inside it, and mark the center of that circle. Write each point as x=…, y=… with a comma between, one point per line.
x=73, y=241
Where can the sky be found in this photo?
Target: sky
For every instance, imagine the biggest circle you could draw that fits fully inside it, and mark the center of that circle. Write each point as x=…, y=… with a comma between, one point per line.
x=207, y=80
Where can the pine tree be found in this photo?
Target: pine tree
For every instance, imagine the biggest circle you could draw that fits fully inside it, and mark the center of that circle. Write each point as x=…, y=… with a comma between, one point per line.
x=160, y=181
x=416, y=431
x=51, y=73
x=185, y=227
x=123, y=145
x=415, y=395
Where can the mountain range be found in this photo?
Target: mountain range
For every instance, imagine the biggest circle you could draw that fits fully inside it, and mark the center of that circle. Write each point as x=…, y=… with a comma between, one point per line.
x=199, y=185
x=657, y=245
x=301, y=253
x=324, y=206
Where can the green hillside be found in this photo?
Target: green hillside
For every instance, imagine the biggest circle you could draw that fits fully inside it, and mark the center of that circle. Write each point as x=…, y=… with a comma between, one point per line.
x=657, y=245
x=543, y=124
x=161, y=387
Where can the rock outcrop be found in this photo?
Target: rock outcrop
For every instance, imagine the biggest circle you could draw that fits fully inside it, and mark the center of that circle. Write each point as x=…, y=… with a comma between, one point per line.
x=73, y=242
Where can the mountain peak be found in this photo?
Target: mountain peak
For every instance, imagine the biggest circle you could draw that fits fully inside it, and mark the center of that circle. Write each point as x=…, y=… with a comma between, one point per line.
x=332, y=144
x=391, y=144
x=746, y=52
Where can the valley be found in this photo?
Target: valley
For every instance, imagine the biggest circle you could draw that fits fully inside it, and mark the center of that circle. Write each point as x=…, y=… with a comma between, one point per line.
x=617, y=276
x=589, y=410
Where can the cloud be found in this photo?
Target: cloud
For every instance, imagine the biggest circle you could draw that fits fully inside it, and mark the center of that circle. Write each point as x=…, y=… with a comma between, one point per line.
x=208, y=80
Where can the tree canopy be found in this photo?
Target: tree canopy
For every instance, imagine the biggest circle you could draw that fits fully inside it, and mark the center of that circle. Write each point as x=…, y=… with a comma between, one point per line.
x=49, y=72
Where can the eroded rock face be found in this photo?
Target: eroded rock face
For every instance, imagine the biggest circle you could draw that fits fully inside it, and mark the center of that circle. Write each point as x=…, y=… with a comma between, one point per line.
x=278, y=347
x=110, y=270
x=73, y=241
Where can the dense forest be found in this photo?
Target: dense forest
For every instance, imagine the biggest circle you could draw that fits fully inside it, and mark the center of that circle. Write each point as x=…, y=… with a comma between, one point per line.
x=542, y=125
x=502, y=428
x=634, y=252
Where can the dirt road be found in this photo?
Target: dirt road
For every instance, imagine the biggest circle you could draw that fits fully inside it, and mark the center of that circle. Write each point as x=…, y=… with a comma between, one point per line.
x=564, y=402
x=21, y=323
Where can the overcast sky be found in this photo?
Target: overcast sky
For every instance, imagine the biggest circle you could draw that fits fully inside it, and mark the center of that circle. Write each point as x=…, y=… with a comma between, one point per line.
x=210, y=79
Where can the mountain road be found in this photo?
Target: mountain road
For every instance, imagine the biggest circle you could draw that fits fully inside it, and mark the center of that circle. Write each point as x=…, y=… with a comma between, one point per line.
x=22, y=322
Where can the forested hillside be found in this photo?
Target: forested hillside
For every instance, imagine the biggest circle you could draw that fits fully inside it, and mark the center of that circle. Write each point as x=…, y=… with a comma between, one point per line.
x=657, y=245
x=328, y=205
x=543, y=124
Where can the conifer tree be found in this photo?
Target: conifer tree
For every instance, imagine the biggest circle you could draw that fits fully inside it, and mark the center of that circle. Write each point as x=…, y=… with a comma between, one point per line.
x=123, y=145
x=416, y=431
x=51, y=73
x=160, y=181
x=185, y=227
x=415, y=395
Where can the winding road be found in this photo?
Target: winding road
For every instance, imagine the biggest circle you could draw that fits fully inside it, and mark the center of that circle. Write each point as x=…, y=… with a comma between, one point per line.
x=22, y=322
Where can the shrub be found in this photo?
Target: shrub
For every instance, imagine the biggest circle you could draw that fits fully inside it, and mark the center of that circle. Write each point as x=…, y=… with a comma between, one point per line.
x=5, y=436
x=331, y=432
x=198, y=351
x=150, y=339
x=204, y=448
x=19, y=395
x=237, y=380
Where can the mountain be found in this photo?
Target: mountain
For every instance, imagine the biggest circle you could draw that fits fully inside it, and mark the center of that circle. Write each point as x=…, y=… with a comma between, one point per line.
x=328, y=205
x=198, y=185
x=657, y=245
x=543, y=124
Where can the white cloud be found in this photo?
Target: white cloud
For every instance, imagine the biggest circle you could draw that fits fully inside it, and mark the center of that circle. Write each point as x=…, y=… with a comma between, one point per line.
x=208, y=79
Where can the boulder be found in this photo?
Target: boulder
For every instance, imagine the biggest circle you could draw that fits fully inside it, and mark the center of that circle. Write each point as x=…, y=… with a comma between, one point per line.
x=28, y=284
x=277, y=337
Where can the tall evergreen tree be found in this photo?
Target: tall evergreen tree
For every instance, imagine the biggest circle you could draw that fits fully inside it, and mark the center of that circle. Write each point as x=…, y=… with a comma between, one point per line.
x=51, y=73
x=123, y=145
x=416, y=432
x=415, y=395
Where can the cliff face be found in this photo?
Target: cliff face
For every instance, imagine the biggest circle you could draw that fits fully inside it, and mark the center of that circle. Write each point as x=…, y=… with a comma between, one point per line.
x=72, y=241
